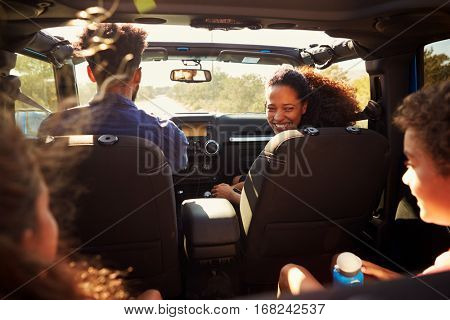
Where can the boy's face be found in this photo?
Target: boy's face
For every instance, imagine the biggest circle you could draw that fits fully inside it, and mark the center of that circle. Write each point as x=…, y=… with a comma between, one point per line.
x=431, y=189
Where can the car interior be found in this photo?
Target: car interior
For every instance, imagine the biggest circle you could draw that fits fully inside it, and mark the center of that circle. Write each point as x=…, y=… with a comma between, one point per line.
x=307, y=194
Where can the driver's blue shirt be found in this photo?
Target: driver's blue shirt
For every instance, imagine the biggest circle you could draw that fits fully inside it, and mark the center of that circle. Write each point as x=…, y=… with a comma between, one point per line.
x=117, y=115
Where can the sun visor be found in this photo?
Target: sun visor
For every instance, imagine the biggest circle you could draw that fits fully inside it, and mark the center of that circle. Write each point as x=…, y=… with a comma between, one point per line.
x=255, y=57
x=155, y=54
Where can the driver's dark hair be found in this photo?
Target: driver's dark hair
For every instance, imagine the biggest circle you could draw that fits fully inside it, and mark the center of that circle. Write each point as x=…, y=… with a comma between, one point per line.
x=427, y=112
x=106, y=47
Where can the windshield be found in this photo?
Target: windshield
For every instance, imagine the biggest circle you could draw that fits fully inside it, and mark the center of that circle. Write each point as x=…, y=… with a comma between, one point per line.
x=234, y=88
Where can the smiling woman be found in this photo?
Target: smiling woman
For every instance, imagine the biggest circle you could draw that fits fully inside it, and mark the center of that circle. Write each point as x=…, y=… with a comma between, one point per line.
x=287, y=97
x=304, y=97
x=296, y=99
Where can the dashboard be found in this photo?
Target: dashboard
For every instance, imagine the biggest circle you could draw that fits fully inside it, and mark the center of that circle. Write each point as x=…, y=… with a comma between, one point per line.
x=195, y=129
x=220, y=147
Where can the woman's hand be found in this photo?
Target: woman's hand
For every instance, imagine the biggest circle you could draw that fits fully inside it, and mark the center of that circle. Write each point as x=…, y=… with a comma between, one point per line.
x=225, y=191
x=379, y=273
x=222, y=190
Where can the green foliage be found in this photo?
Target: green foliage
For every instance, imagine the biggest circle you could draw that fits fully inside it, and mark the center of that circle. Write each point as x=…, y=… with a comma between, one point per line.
x=436, y=67
x=225, y=93
x=147, y=92
x=37, y=82
x=335, y=72
x=362, y=90
x=361, y=85
x=162, y=90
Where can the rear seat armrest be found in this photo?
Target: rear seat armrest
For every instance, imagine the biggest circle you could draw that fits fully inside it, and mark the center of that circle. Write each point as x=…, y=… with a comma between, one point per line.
x=211, y=229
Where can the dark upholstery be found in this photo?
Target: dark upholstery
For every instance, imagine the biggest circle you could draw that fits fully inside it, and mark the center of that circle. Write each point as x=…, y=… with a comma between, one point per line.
x=304, y=195
x=211, y=228
x=127, y=212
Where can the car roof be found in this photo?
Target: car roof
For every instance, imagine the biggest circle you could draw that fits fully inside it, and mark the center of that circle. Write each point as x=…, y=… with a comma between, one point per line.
x=370, y=23
x=220, y=52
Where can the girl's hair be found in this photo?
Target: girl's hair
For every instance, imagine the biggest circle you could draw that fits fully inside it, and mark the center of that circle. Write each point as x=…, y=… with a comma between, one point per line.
x=24, y=167
x=20, y=181
x=330, y=103
x=23, y=275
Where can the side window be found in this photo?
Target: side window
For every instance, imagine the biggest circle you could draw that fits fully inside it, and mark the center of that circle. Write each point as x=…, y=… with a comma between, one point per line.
x=86, y=88
x=436, y=62
x=38, y=83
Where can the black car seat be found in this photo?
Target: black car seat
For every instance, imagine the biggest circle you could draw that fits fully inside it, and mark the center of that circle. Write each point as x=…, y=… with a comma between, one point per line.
x=307, y=197
x=126, y=212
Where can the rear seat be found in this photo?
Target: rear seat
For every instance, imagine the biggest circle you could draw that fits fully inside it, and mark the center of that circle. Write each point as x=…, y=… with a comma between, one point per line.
x=307, y=196
x=127, y=212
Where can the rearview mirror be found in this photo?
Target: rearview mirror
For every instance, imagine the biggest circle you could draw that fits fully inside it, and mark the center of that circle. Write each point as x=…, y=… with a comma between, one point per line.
x=190, y=75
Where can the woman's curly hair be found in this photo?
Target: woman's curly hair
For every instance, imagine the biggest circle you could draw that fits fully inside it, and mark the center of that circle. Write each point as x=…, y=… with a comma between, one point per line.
x=427, y=112
x=330, y=103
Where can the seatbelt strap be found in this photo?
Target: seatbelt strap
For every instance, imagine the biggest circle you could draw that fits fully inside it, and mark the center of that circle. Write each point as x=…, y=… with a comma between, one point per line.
x=10, y=87
x=27, y=100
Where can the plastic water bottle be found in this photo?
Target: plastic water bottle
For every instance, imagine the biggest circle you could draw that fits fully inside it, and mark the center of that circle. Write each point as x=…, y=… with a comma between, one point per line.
x=347, y=271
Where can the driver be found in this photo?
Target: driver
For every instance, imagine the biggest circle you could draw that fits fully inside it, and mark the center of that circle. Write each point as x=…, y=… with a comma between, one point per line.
x=186, y=74
x=114, y=53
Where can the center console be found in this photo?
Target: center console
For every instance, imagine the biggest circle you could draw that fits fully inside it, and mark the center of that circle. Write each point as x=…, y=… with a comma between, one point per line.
x=211, y=229
x=220, y=147
x=203, y=156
